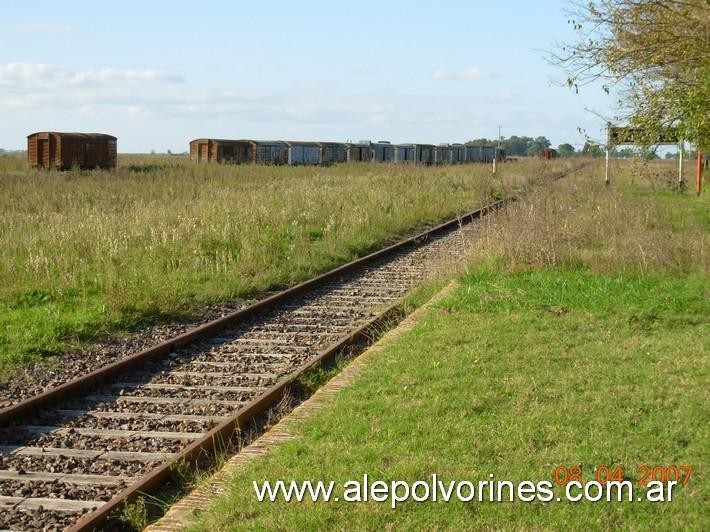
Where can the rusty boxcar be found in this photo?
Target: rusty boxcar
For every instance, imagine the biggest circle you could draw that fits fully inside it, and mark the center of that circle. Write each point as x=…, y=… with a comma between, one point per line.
x=221, y=150
x=239, y=151
x=546, y=154
x=53, y=149
x=333, y=152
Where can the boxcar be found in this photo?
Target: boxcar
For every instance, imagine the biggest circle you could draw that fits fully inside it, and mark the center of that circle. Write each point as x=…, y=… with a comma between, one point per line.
x=359, y=152
x=303, y=153
x=270, y=152
x=53, y=149
x=382, y=151
x=425, y=153
x=333, y=152
x=442, y=154
x=547, y=153
x=222, y=151
x=458, y=153
x=239, y=151
x=405, y=153
x=489, y=153
x=474, y=153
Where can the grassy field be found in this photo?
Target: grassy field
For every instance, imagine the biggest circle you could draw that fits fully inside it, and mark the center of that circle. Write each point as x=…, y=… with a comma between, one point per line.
x=579, y=336
x=89, y=253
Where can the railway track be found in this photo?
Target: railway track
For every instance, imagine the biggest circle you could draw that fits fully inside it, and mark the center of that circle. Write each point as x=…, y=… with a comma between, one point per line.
x=72, y=455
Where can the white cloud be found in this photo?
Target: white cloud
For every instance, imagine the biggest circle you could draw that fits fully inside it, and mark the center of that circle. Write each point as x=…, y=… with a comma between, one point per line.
x=37, y=76
x=43, y=27
x=468, y=74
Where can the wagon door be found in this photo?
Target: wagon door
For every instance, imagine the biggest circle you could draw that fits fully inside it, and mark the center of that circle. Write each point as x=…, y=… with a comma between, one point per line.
x=202, y=152
x=42, y=152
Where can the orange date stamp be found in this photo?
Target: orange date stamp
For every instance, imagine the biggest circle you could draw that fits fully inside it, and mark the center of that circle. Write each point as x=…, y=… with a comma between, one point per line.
x=672, y=473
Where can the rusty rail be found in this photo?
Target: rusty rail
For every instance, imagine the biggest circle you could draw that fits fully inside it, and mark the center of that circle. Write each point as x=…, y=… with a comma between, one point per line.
x=31, y=405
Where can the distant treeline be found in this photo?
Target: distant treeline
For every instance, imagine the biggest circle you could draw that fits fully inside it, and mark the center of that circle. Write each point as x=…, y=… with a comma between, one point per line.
x=522, y=146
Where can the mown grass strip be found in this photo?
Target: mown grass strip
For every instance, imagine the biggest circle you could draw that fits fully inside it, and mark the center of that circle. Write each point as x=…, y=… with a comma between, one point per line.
x=581, y=340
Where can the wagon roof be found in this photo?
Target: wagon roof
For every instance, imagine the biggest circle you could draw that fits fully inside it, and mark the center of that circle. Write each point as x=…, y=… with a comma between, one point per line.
x=223, y=141
x=302, y=143
x=96, y=136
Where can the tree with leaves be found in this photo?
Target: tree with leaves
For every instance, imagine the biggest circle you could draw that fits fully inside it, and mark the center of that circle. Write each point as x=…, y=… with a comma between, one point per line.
x=655, y=53
x=565, y=150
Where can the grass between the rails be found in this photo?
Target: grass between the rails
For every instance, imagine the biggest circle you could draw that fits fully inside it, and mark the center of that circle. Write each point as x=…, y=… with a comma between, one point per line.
x=581, y=341
x=86, y=253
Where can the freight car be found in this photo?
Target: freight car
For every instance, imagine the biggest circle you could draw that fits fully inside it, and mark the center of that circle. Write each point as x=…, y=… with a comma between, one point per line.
x=382, y=151
x=53, y=149
x=304, y=153
x=333, y=152
x=414, y=153
x=239, y=151
x=312, y=153
x=221, y=150
x=458, y=153
x=442, y=154
x=547, y=154
x=360, y=151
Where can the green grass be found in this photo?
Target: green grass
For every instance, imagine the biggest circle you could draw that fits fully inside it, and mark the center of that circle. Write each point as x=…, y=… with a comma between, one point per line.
x=515, y=374
x=563, y=346
x=93, y=252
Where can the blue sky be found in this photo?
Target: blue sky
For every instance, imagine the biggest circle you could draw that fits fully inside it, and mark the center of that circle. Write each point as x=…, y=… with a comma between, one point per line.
x=157, y=74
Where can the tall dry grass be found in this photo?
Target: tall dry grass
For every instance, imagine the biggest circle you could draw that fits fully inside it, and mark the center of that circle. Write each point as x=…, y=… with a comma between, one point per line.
x=639, y=222
x=85, y=252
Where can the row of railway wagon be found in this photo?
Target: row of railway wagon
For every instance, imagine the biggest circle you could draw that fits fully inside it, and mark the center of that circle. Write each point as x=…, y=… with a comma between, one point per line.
x=52, y=149
x=297, y=153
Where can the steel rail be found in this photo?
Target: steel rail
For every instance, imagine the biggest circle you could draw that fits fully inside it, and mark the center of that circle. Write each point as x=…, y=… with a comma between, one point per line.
x=51, y=396
x=224, y=432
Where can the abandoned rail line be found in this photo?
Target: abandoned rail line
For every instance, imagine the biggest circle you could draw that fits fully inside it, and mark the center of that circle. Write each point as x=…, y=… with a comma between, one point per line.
x=71, y=456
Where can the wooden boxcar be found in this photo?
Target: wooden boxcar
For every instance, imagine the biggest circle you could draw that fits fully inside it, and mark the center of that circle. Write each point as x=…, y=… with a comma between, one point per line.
x=546, y=154
x=239, y=151
x=333, y=152
x=52, y=149
x=221, y=150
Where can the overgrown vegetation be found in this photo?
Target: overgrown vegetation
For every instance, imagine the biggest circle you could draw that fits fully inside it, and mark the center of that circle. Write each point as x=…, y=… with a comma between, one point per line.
x=655, y=54
x=85, y=253
x=578, y=337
